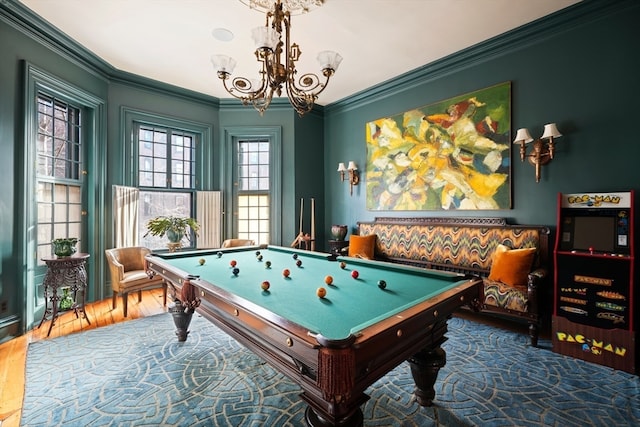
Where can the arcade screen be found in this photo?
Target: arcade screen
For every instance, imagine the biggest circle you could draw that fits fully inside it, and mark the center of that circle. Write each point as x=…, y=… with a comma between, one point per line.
x=597, y=232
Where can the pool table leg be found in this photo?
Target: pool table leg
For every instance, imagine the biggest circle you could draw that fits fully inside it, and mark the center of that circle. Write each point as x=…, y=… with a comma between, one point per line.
x=425, y=366
x=316, y=420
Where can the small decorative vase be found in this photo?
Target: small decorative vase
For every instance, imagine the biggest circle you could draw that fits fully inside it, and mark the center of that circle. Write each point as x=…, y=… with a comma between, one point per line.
x=64, y=247
x=182, y=320
x=339, y=232
x=66, y=301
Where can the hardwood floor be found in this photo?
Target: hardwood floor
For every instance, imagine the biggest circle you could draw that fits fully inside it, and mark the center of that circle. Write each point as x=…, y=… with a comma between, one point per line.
x=13, y=353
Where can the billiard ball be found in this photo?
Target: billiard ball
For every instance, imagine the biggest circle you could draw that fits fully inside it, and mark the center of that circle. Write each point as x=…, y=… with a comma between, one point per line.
x=257, y=253
x=267, y=264
x=259, y=257
x=286, y=272
x=382, y=284
x=295, y=256
x=355, y=274
x=219, y=254
x=343, y=265
x=321, y=292
x=233, y=263
x=328, y=280
x=265, y=285
x=235, y=271
x=202, y=261
x=299, y=262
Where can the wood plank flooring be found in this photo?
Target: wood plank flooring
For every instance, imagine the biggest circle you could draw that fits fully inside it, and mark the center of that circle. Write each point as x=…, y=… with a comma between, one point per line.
x=13, y=353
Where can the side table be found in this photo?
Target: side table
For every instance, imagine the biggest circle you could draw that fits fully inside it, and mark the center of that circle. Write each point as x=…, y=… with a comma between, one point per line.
x=65, y=272
x=336, y=246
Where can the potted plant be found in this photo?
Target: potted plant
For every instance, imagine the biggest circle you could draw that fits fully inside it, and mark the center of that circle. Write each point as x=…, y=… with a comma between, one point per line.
x=174, y=227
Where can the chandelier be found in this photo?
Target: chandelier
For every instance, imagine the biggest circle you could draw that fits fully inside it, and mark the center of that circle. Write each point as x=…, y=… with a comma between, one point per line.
x=277, y=60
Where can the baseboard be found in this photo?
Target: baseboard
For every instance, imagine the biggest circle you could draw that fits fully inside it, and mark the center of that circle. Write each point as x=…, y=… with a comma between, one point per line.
x=9, y=327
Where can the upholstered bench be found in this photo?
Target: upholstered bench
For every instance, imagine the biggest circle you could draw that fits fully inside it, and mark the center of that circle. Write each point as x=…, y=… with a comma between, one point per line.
x=511, y=259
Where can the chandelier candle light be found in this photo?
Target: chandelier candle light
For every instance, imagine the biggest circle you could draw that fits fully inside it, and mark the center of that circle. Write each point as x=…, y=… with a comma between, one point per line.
x=276, y=72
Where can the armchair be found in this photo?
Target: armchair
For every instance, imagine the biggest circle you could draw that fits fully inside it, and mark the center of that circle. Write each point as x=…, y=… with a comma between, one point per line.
x=232, y=243
x=128, y=269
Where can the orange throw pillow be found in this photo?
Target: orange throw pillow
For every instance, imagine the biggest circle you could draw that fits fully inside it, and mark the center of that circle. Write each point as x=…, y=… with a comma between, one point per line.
x=511, y=266
x=362, y=246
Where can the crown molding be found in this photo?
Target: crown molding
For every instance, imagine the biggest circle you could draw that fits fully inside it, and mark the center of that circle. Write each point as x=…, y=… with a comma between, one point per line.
x=511, y=41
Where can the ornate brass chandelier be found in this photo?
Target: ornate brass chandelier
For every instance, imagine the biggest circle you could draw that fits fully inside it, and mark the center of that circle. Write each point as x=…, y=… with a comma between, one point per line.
x=278, y=66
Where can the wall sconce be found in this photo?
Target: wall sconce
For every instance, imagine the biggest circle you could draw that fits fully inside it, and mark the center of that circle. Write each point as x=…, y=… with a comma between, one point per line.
x=541, y=153
x=352, y=170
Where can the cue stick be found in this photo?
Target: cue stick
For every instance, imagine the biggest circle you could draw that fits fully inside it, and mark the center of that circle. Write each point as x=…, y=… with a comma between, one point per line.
x=301, y=213
x=313, y=224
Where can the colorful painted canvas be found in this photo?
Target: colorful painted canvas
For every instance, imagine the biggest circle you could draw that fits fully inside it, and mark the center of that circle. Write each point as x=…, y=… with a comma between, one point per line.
x=454, y=154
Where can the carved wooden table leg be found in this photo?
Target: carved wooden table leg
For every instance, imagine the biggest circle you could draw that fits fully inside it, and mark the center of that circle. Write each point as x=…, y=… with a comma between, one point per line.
x=425, y=366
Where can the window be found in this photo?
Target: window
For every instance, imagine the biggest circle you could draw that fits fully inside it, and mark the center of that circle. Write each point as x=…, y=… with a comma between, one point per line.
x=58, y=172
x=253, y=196
x=166, y=176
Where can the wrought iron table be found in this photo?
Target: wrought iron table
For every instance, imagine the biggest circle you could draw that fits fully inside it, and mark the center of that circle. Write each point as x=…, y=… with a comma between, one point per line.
x=65, y=272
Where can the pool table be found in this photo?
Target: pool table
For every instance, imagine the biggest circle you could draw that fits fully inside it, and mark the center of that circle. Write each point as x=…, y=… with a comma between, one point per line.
x=374, y=316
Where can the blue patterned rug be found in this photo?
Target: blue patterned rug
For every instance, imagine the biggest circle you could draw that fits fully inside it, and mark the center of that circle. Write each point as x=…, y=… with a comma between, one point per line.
x=136, y=374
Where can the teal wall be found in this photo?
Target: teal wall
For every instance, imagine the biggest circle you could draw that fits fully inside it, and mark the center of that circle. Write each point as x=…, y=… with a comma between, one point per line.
x=576, y=68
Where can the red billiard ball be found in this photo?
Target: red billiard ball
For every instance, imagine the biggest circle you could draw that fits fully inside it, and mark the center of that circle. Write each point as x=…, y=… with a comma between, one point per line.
x=328, y=280
x=286, y=272
x=233, y=263
x=343, y=265
x=265, y=285
x=299, y=263
x=321, y=292
x=355, y=274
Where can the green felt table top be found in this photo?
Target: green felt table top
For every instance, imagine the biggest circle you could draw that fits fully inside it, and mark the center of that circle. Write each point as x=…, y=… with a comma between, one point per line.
x=350, y=304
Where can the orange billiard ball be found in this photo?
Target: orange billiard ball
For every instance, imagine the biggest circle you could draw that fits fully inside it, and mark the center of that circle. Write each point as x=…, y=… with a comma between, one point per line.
x=233, y=263
x=355, y=274
x=286, y=272
x=328, y=280
x=321, y=292
x=343, y=265
x=265, y=285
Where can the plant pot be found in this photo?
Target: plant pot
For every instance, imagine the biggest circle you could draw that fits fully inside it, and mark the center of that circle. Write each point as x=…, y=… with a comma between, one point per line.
x=174, y=236
x=339, y=232
x=64, y=247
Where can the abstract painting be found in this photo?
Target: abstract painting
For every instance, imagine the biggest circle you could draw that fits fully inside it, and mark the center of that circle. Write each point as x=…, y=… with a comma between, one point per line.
x=451, y=155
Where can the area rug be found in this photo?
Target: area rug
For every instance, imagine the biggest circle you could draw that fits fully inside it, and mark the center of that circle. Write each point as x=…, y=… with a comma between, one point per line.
x=137, y=374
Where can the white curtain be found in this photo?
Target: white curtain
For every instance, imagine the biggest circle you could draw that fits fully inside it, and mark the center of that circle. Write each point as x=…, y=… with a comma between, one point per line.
x=125, y=216
x=209, y=216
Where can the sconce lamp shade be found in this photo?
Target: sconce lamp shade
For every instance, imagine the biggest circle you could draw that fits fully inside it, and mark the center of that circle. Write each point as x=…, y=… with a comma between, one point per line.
x=352, y=166
x=341, y=167
x=223, y=63
x=550, y=131
x=523, y=136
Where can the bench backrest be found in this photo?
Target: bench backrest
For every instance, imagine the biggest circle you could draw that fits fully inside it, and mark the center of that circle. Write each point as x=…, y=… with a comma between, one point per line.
x=459, y=244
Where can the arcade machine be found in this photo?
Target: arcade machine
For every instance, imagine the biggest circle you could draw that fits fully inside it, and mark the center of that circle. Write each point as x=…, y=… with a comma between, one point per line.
x=593, y=316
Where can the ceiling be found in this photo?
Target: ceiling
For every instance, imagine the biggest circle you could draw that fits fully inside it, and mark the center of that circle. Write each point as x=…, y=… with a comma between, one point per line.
x=171, y=40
